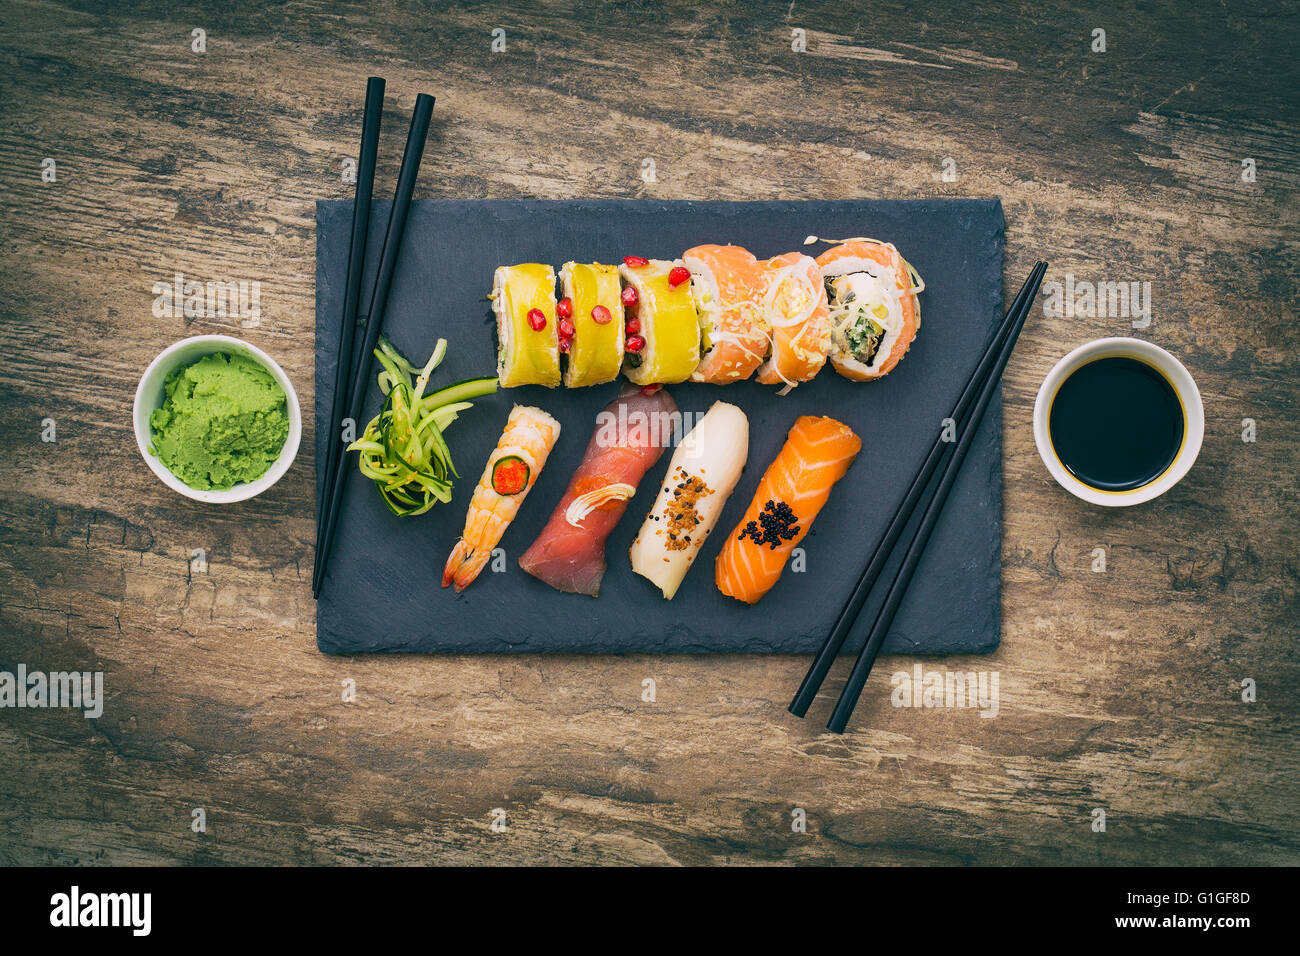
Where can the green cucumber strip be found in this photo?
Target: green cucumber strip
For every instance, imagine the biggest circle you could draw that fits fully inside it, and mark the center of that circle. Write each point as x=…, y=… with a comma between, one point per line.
x=460, y=392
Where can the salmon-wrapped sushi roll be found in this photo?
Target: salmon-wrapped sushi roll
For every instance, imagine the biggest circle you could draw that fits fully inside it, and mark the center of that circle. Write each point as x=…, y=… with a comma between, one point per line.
x=528, y=343
x=794, y=305
x=792, y=491
x=662, y=344
x=734, y=337
x=875, y=312
x=590, y=323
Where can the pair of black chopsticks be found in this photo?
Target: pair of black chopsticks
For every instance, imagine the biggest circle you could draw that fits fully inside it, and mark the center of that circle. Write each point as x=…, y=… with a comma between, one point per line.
x=352, y=370
x=979, y=390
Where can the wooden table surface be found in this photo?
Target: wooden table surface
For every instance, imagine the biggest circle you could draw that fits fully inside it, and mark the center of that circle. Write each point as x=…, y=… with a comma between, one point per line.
x=1121, y=690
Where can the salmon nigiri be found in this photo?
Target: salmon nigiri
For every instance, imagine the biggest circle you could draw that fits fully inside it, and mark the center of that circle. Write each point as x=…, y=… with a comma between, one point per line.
x=734, y=336
x=631, y=433
x=816, y=454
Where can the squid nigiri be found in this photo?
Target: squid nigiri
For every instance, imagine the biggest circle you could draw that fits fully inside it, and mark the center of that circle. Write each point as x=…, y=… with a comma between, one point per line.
x=794, y=302
x=509, y=475
x=701, y=477
x=793, y=490
x=875, y=312
x=631, y=434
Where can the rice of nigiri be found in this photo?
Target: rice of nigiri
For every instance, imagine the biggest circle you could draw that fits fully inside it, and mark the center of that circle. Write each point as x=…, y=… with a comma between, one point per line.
x=701, y=477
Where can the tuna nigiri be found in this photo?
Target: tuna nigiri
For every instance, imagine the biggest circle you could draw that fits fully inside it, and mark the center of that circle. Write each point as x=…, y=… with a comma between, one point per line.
x=792, y=491
x=701, y=476
x=631, y=433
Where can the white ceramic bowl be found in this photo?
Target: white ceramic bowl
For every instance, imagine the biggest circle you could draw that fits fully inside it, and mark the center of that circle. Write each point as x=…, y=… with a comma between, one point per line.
x=1177, y=376
x=149, y=396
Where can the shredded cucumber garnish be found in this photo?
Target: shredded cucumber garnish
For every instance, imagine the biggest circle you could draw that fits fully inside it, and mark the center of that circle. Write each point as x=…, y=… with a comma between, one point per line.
x=403, y=450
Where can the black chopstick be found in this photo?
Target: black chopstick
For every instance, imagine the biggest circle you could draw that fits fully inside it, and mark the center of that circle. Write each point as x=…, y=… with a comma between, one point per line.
x=825, y=658
x=903, y=577
x=374, y=318
x=344, y=358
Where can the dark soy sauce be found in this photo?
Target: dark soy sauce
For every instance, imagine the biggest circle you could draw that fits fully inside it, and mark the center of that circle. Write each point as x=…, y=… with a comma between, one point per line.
x=1116, y=423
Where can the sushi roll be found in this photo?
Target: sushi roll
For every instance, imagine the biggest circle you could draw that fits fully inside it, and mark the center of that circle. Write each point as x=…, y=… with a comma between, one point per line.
x=662, y=327
x=701, y=477
x=590, y=323
x=875, y=312
x=528, y=343
x=817, y=453
x=734, y=334
x=794, y=304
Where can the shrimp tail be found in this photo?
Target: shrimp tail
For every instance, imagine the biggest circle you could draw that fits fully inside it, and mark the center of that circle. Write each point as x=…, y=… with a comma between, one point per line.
x=464, y=565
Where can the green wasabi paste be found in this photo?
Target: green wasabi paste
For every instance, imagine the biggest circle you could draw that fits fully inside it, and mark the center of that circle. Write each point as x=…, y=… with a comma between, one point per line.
x=223, y=421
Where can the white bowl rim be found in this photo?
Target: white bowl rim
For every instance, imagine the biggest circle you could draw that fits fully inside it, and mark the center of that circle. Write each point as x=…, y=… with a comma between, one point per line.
x=144, y=434
x=1177, y=375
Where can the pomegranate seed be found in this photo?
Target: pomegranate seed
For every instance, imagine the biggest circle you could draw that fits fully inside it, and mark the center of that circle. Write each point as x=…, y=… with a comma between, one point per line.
x=564, y=308
x=635, y=343
x=633, y=262
x=632, y=327
x=566, y=329
x=650, y=389
x=629, y=297
x=677, y=275
x=564, y=345
x=600, y=315
x=536, y=319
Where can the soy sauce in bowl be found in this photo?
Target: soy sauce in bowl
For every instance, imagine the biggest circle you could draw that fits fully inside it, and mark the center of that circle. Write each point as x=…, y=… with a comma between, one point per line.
x=1116, y=423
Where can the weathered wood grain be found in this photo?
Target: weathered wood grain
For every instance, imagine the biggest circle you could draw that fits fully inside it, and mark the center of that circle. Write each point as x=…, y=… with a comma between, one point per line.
x=1119, y=691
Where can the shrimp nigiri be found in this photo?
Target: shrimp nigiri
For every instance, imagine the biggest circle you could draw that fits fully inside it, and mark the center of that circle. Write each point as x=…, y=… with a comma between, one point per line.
x=509, y=475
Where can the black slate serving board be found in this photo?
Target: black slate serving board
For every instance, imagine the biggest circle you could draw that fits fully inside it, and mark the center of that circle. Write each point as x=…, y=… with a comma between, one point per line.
x=382, y=590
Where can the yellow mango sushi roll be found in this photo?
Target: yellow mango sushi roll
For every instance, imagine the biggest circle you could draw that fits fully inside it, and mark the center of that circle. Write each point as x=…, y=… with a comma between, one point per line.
x=662, y=326
x=528, y=342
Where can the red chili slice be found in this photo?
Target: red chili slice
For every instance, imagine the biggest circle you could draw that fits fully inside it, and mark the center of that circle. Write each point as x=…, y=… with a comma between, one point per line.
x=509, y=475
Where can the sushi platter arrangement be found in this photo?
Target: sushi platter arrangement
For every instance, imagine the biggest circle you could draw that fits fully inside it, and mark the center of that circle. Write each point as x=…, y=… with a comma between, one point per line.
x=610, y=356
x=715, y=315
